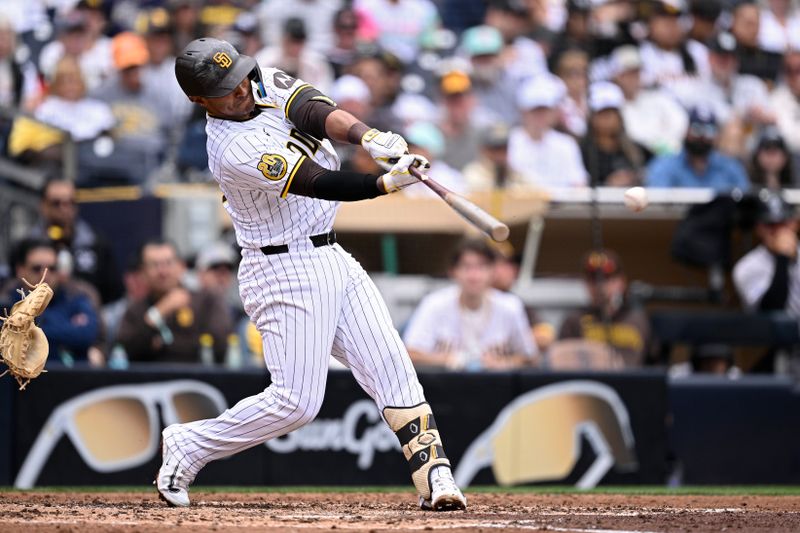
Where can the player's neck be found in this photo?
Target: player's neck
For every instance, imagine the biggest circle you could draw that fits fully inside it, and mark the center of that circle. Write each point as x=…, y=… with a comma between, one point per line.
x=244, y=118
x=473, y=302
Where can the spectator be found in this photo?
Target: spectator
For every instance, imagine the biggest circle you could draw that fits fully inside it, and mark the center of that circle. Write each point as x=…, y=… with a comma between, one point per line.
x=700, y=164
x=779, y=26
x=705, y=14
x=573, y=69
x=491, y=171
x=403, y=26
x=80, y=36
x=771, y=164
x=352, y=94
x=786, y=100
x=470, y=325
x=143, y=110
x=547, y=158
x=344, y=51
x=652, y=117
x=730, y=95
x=92, y=257
x=609, y=319
x=135, y=290
x=612, y=158
x=522, y=56
x=745, y=27
x=576, y=33
x=493, y=85
x=68, y=108
x=427, y=140
x=186, y=18
x=768, y=277
x=157, y=28
x=166, y=325
x=382, y=73
x=295, y=58
x=216, y=273
x=246, y=35
x=317, y=15
x=665, y=56
x=19, y=86
x=69, y=322
x=460, y=122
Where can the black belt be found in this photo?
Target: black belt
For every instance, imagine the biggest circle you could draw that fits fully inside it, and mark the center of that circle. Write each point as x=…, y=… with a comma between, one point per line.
x=323, y=239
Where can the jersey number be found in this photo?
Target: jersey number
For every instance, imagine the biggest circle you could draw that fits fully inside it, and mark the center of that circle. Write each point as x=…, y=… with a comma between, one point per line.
x=306, y=144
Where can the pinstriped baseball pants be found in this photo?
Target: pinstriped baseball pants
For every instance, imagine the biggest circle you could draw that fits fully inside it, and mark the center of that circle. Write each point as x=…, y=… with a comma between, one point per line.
x=308, y=304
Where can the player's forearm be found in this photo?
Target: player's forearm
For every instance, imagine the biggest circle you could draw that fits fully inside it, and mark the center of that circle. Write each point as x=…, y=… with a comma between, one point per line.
x=343, y=127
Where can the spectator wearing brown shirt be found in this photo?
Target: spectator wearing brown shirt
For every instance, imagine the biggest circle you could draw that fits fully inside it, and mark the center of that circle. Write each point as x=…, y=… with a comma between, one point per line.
x=609, y=320
x=167, y=324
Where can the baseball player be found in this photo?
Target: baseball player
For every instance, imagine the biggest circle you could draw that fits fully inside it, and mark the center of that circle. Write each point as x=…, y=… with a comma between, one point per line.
x=269, y=150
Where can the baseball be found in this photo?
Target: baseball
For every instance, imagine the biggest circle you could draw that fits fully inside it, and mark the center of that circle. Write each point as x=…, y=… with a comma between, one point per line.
x=636, y=199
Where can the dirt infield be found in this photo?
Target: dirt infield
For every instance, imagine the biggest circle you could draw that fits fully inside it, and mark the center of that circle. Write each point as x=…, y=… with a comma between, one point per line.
x=303, y=512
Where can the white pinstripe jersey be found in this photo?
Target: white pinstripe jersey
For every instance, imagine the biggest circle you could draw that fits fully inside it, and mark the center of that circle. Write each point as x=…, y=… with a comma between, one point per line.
x=254, y=161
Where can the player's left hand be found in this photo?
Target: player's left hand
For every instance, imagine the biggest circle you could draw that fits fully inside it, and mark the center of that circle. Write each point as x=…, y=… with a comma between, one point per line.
x=384, y=147
x=399, y=176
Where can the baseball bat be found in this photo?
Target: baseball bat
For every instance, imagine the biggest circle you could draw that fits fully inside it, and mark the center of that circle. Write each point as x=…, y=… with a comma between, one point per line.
x=471, y=212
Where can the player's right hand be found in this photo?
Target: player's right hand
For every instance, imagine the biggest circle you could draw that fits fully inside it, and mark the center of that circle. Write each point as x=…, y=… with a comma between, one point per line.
x=399, y=176
x=384, y=147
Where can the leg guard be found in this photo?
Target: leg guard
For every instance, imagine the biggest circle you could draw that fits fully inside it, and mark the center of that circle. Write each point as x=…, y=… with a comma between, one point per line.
x=419, y=437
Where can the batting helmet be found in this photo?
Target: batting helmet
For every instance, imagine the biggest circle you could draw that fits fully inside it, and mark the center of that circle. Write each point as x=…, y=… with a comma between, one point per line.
x=213, y=68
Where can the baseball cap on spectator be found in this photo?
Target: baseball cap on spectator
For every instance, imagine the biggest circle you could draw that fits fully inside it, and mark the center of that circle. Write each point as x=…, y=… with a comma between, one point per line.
x=215, y=255
x=671, y=8
x=702, y=123
x=723, y=43
x=427, y=136
x=295, y=29
x=605, y=95
x=625, y=58
x=482, y=41
x=495, y=136
x=411, y=108
x=154, y=21
x=350, y=87
x=455, y=82
x=518, y=8
x=706, y=9
x=603, y=263
x=129, y=50
x=246, y=23
x=545, y=90
x=72, y=22
x=770, y=137
x=772, y=208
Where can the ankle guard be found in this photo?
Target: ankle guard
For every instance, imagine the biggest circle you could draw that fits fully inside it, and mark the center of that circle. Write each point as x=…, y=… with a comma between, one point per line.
x=416, y=430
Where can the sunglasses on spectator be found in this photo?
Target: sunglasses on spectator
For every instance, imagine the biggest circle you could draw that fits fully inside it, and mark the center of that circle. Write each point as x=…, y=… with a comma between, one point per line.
x=708, y=131
x=41, y=268
x=61, y=202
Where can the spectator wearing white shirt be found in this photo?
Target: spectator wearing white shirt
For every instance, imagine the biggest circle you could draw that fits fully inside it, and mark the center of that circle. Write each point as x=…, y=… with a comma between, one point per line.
x=665, y=56
x=547, y=158
x=68, y=108
x=768, y=277
x=404, y=26
x=317, y=15
x=739, y=101
x=779, y=27
x=786, y=99
x=652, y=117
x=470, y=325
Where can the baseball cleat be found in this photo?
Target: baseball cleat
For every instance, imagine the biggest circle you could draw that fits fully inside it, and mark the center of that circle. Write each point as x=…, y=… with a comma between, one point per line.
x=172, y=481
x=445, y=494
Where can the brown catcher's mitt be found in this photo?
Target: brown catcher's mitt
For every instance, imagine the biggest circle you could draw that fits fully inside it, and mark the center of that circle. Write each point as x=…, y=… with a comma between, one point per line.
x=23, y=345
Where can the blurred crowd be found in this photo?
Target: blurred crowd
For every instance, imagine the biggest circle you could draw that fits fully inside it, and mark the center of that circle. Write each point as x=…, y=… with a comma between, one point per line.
x=498, y=94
